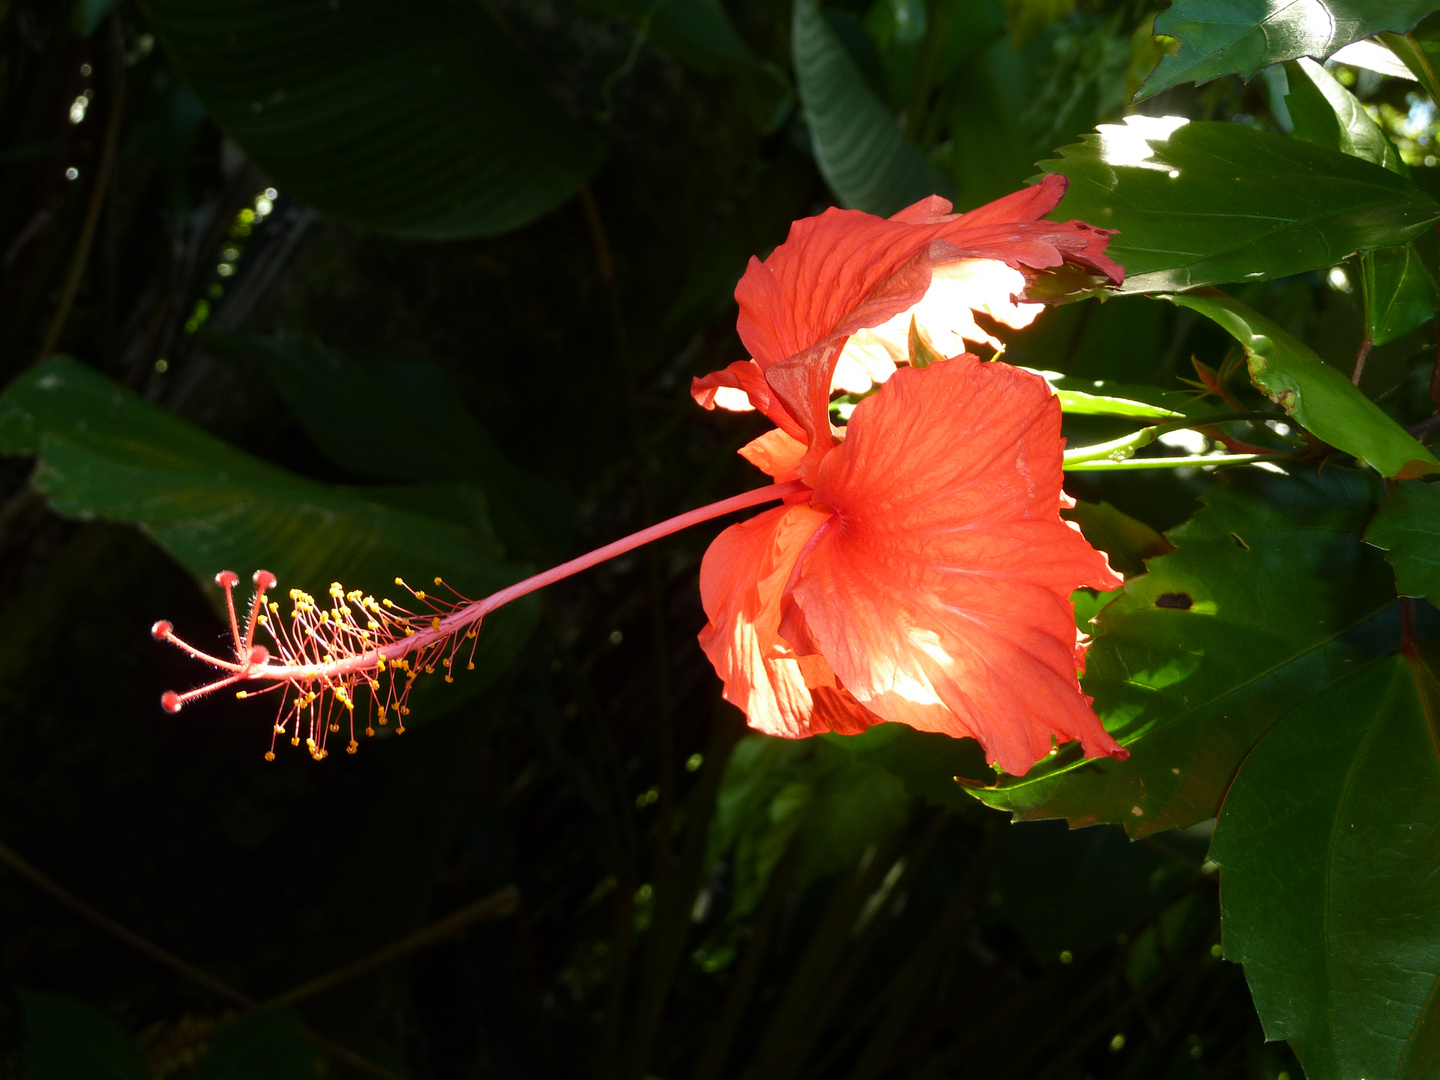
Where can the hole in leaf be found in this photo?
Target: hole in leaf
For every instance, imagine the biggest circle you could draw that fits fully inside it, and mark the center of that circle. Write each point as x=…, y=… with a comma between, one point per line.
x=1178, y=600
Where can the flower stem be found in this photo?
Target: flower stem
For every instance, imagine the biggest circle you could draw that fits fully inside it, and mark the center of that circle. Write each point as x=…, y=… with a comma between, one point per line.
x=473, y=613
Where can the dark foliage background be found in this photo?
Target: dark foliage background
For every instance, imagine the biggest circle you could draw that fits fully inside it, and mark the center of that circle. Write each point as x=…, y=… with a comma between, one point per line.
x=643, y=912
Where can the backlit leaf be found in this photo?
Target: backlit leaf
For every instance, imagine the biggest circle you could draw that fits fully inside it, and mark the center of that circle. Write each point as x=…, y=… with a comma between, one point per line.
x=1198, y=203
x=1326, y=114
x=1317, y=395
x=1239, y=37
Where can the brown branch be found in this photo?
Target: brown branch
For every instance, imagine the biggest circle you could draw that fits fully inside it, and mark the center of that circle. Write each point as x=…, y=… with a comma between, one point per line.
x=165, y=958
x=499, y=903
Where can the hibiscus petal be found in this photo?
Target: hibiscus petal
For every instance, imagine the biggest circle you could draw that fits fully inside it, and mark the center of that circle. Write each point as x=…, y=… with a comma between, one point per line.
x=741, y=579
x=940, y=595
x=744, y=376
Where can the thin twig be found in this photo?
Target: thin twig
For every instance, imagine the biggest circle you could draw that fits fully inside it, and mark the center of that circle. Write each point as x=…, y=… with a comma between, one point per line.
x=1360, y=358
x=165, y=958
x=161, y=956
x=499, y=903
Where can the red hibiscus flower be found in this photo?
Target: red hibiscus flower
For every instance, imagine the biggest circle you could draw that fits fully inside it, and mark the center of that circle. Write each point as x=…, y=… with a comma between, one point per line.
x=924, y=575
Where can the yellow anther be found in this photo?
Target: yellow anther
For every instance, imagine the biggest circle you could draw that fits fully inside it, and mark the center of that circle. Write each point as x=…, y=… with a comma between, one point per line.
x=420, y=595
x=295, y=741
x=370, y=732
x=334, y=726
x=353, y=596
x=439, y=582
x=380, y=663
x=404, y=710
x=279, y=729
x=470, y=666
x=472, y=632
x=372, y=625
x=409, y=631
x=399, y=729
x=324, y=616
x=310, y=743
x=269, y=755
x=435, y=624
x=241, y=694
x=337, y=590
x=274, y=608
x=262, y=619
x=429, y=669
x=387, y=602
x=384, y=720
x=352, y=747
x=449, y=678
x=374, y=684
x=400, y=582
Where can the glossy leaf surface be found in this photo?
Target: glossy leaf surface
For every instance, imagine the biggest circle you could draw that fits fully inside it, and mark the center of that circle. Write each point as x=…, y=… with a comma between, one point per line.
x=419, y=118
x=1239, y=37
x=1408, y=529
x=1255, y=609
x=863, y=153
x=1399, y=292
x=1328, y=845
x=1326, y=114
x=107, y=453
x=1199, y=203
x=1317, y=395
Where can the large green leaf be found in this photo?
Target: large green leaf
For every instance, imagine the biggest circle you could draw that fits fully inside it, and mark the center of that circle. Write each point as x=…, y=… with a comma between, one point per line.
x=1328, y=845
x=1254, y=610
x=107, y=453
x=1317, y=395
x=424, y=431
x=65, y=1039
x=420, y=118
x=1207, y=202
x=862, y=152
x=1239, y=37
x=1408, y=529
x=1326, y=114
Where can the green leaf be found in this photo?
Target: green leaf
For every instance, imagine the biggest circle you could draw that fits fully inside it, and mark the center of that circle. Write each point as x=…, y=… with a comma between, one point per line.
x=405, y=422
x=265, y=1045
x=862, y=152
x=927, y=763
x=419, y=118
x=1407, y=528
x=1127, y=541
x=1029, y=18
x=1199, y=203
x=1399, y=289
x=1239, y=37
x=1257, y=608
x=1070, y=890
x=1317, y=395
x=1328, y=845
x=1095, y=397
x=65, y=1039
x=836, y=803
x=107, y=453
x=1327, y=114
